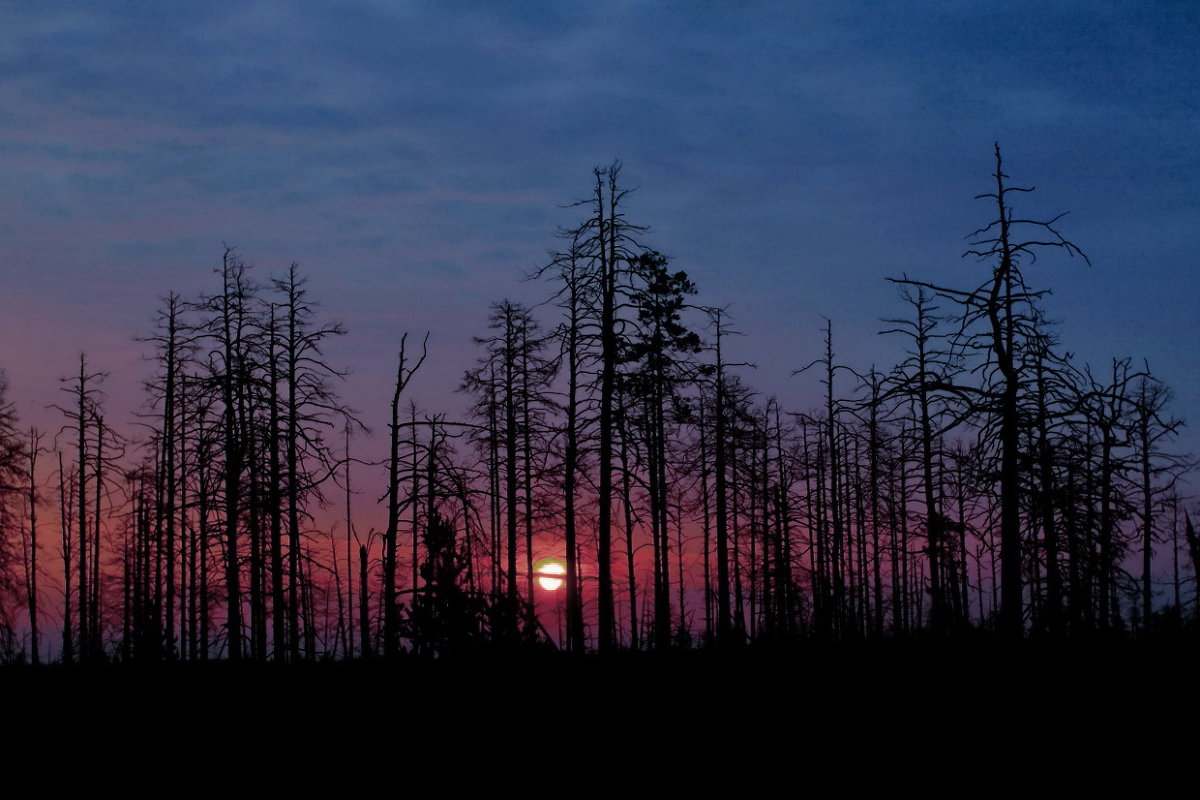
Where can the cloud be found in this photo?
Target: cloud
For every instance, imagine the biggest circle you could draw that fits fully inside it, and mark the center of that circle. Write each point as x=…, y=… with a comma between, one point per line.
x=788, y=156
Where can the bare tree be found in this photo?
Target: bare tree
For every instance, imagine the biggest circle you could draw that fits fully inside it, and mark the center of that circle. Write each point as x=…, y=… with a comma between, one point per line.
x=391, y=611
x=12, y=479
x=1002, y=307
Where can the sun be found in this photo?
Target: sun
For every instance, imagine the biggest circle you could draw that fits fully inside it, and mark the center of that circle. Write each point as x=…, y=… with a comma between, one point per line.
x=548, y=572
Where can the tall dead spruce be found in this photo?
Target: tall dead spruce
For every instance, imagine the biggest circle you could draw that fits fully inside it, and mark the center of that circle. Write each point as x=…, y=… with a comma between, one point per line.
x=1003, y=307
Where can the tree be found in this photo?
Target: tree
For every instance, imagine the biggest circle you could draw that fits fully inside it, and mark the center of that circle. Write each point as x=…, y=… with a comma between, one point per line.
x=309, y=407
x=496, y=384
x=654, y=358
x=1104, y=409
x=12, y=482
x=574, y=299
x=608, y=239
x=721, y=405
x=231, y=367
x=442, y=619
x=929, y=366
x=1157, y=468
x=1193, y=543
x=174, y=350
x=30, y=546
x=391, y=612
x=1002, y=307
x=83, y=415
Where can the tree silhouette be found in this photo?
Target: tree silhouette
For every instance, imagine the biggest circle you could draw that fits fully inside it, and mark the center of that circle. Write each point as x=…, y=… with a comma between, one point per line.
x=12, y=479
x=608, y=239
x=391, y=611
x=509, y=386
x=930, y=366
x=575, y=297
x=1002, y=306
x=984, y=484
x=654, y=361
x=1150, y=430
x=310, y=408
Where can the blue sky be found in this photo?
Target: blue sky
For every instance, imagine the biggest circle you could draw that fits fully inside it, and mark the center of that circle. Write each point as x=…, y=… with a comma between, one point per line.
x=416, y=159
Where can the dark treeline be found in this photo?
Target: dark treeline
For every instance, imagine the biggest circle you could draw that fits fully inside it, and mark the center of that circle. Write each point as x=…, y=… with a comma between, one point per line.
x=986, y=484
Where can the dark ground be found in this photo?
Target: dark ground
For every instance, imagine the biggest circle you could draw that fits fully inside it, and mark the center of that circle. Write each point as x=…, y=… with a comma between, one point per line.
x=883, y=678
x=928, y=717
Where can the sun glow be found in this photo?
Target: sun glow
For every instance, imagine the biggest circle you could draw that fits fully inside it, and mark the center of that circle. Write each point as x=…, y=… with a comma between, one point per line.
x=548, y=573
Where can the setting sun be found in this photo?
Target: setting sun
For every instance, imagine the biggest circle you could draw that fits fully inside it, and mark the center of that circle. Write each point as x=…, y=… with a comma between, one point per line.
x=548, y=573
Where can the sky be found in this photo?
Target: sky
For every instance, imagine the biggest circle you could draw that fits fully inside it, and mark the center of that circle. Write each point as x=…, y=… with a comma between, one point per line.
x=417, y=158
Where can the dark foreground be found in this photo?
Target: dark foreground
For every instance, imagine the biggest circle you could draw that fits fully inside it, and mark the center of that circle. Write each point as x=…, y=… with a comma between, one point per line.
x=882, y=714
x=751, y=682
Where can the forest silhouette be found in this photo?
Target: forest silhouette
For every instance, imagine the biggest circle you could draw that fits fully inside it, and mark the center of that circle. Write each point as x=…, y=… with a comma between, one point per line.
x=987, y=489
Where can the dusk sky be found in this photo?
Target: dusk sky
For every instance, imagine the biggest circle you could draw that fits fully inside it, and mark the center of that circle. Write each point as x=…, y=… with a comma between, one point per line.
x=416, y=158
